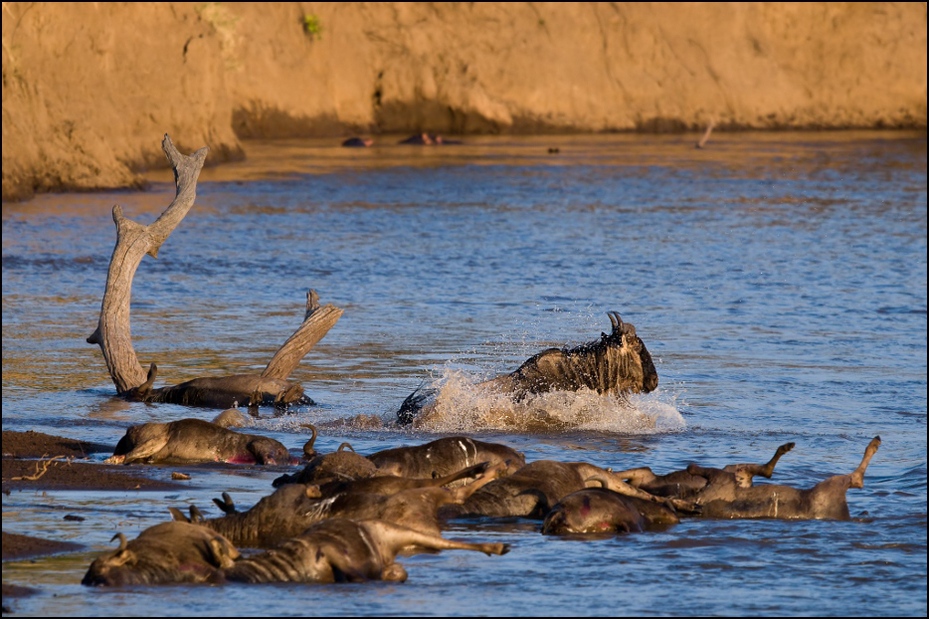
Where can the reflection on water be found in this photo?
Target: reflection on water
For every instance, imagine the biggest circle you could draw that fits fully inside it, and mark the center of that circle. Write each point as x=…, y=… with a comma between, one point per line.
x=778, y=279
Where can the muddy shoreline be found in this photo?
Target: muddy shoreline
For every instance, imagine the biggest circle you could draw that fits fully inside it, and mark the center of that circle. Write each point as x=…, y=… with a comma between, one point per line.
x=33, y=461
x=90, y=89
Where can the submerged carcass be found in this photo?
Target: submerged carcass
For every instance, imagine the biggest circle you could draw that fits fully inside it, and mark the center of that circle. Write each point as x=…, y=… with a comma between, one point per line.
x=343, y=550
x=167, y=553
x=533, y=490
x=440, y=458
x=196, y=440
x=292, y=508
x=599, y=510
x=684, y=485
x=725, y=497
x=616, y=364
x=445, y=456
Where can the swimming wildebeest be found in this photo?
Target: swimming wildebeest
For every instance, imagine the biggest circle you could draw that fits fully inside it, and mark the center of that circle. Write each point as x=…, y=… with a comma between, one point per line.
x=724, y=497
x=616, y=364
x=684, y=485
x=343, y=550
x=196, y=440
x=170, y=552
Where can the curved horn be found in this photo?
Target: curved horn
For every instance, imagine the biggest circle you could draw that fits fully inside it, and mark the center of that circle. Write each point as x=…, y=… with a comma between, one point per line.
x=345, y=446
x=178, y=515
x=618, y=322
x=195, y=514
x=122, y=540
x=308, y=451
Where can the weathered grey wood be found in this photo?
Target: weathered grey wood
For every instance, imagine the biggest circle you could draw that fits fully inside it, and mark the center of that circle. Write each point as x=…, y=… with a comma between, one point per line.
x=113, y=333
x=316, y=323
x=133, y=241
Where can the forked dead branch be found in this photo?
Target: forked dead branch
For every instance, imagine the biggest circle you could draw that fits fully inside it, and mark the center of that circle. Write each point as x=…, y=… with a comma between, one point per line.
x=133, y=242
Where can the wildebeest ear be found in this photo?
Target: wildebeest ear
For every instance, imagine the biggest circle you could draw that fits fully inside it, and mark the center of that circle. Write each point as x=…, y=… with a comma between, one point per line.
x=122, y=555
x=224, y=553
x=178, y=514
x=312, y=492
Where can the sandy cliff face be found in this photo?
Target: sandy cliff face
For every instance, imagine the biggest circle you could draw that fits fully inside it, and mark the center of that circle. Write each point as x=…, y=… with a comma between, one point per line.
x=89, y=88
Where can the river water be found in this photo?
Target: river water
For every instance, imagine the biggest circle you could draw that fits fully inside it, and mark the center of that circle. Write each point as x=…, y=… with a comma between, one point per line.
x=778, y=279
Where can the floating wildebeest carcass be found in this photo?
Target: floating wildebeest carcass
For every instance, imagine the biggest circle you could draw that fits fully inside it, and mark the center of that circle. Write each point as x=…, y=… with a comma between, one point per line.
x=684, y=485
x=343, y=550
x=533, y=490
x=600, y=510
x=196, y=440
x=170, y=552
x=440, y=458
x=292, y=508
x=444, y=456
x=725, y=497
x=616, y=364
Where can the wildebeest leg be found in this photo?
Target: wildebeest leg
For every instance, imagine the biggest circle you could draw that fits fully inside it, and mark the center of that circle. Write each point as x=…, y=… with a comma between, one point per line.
x=611, y=482
x=857, y=476
x=827, y=498
x=227, y=505
x=390, y=539
x=145, y=448
x=461, y=493
x=744, y=473
x=637, y=477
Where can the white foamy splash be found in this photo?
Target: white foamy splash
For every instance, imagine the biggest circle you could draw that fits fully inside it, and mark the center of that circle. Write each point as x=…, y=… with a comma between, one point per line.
x=463, y=406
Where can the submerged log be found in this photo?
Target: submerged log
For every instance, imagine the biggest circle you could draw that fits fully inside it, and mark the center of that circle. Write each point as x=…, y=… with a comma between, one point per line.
x=113, y=333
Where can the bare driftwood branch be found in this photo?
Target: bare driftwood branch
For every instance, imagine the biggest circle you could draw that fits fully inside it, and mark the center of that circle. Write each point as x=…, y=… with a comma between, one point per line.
x=113, y=332
x=316, y=323
x=706, y=135
x=41, y=468
x=133, y=241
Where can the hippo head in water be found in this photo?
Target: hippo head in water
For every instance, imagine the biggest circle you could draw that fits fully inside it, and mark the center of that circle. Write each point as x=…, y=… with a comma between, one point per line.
x=616, y=364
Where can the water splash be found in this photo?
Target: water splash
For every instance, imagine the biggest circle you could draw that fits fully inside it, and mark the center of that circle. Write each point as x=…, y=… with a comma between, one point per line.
x=464, y=406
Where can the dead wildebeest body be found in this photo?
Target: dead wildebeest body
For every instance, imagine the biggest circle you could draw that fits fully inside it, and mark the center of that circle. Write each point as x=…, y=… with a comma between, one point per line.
x=440, y=458
x=196, y=440
x=343, y=464
x=724, y=497
x=598, y=510
x=343, y=550
x=533, y=490
x=616, y=364
x=684, y=485
x=167, y=553
x=392, y=484
x=445, y=456
x=284, y=513
x=223, y=391
x=293, y=507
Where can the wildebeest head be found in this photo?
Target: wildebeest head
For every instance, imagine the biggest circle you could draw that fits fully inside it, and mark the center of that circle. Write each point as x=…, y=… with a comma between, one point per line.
x=170, y=552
